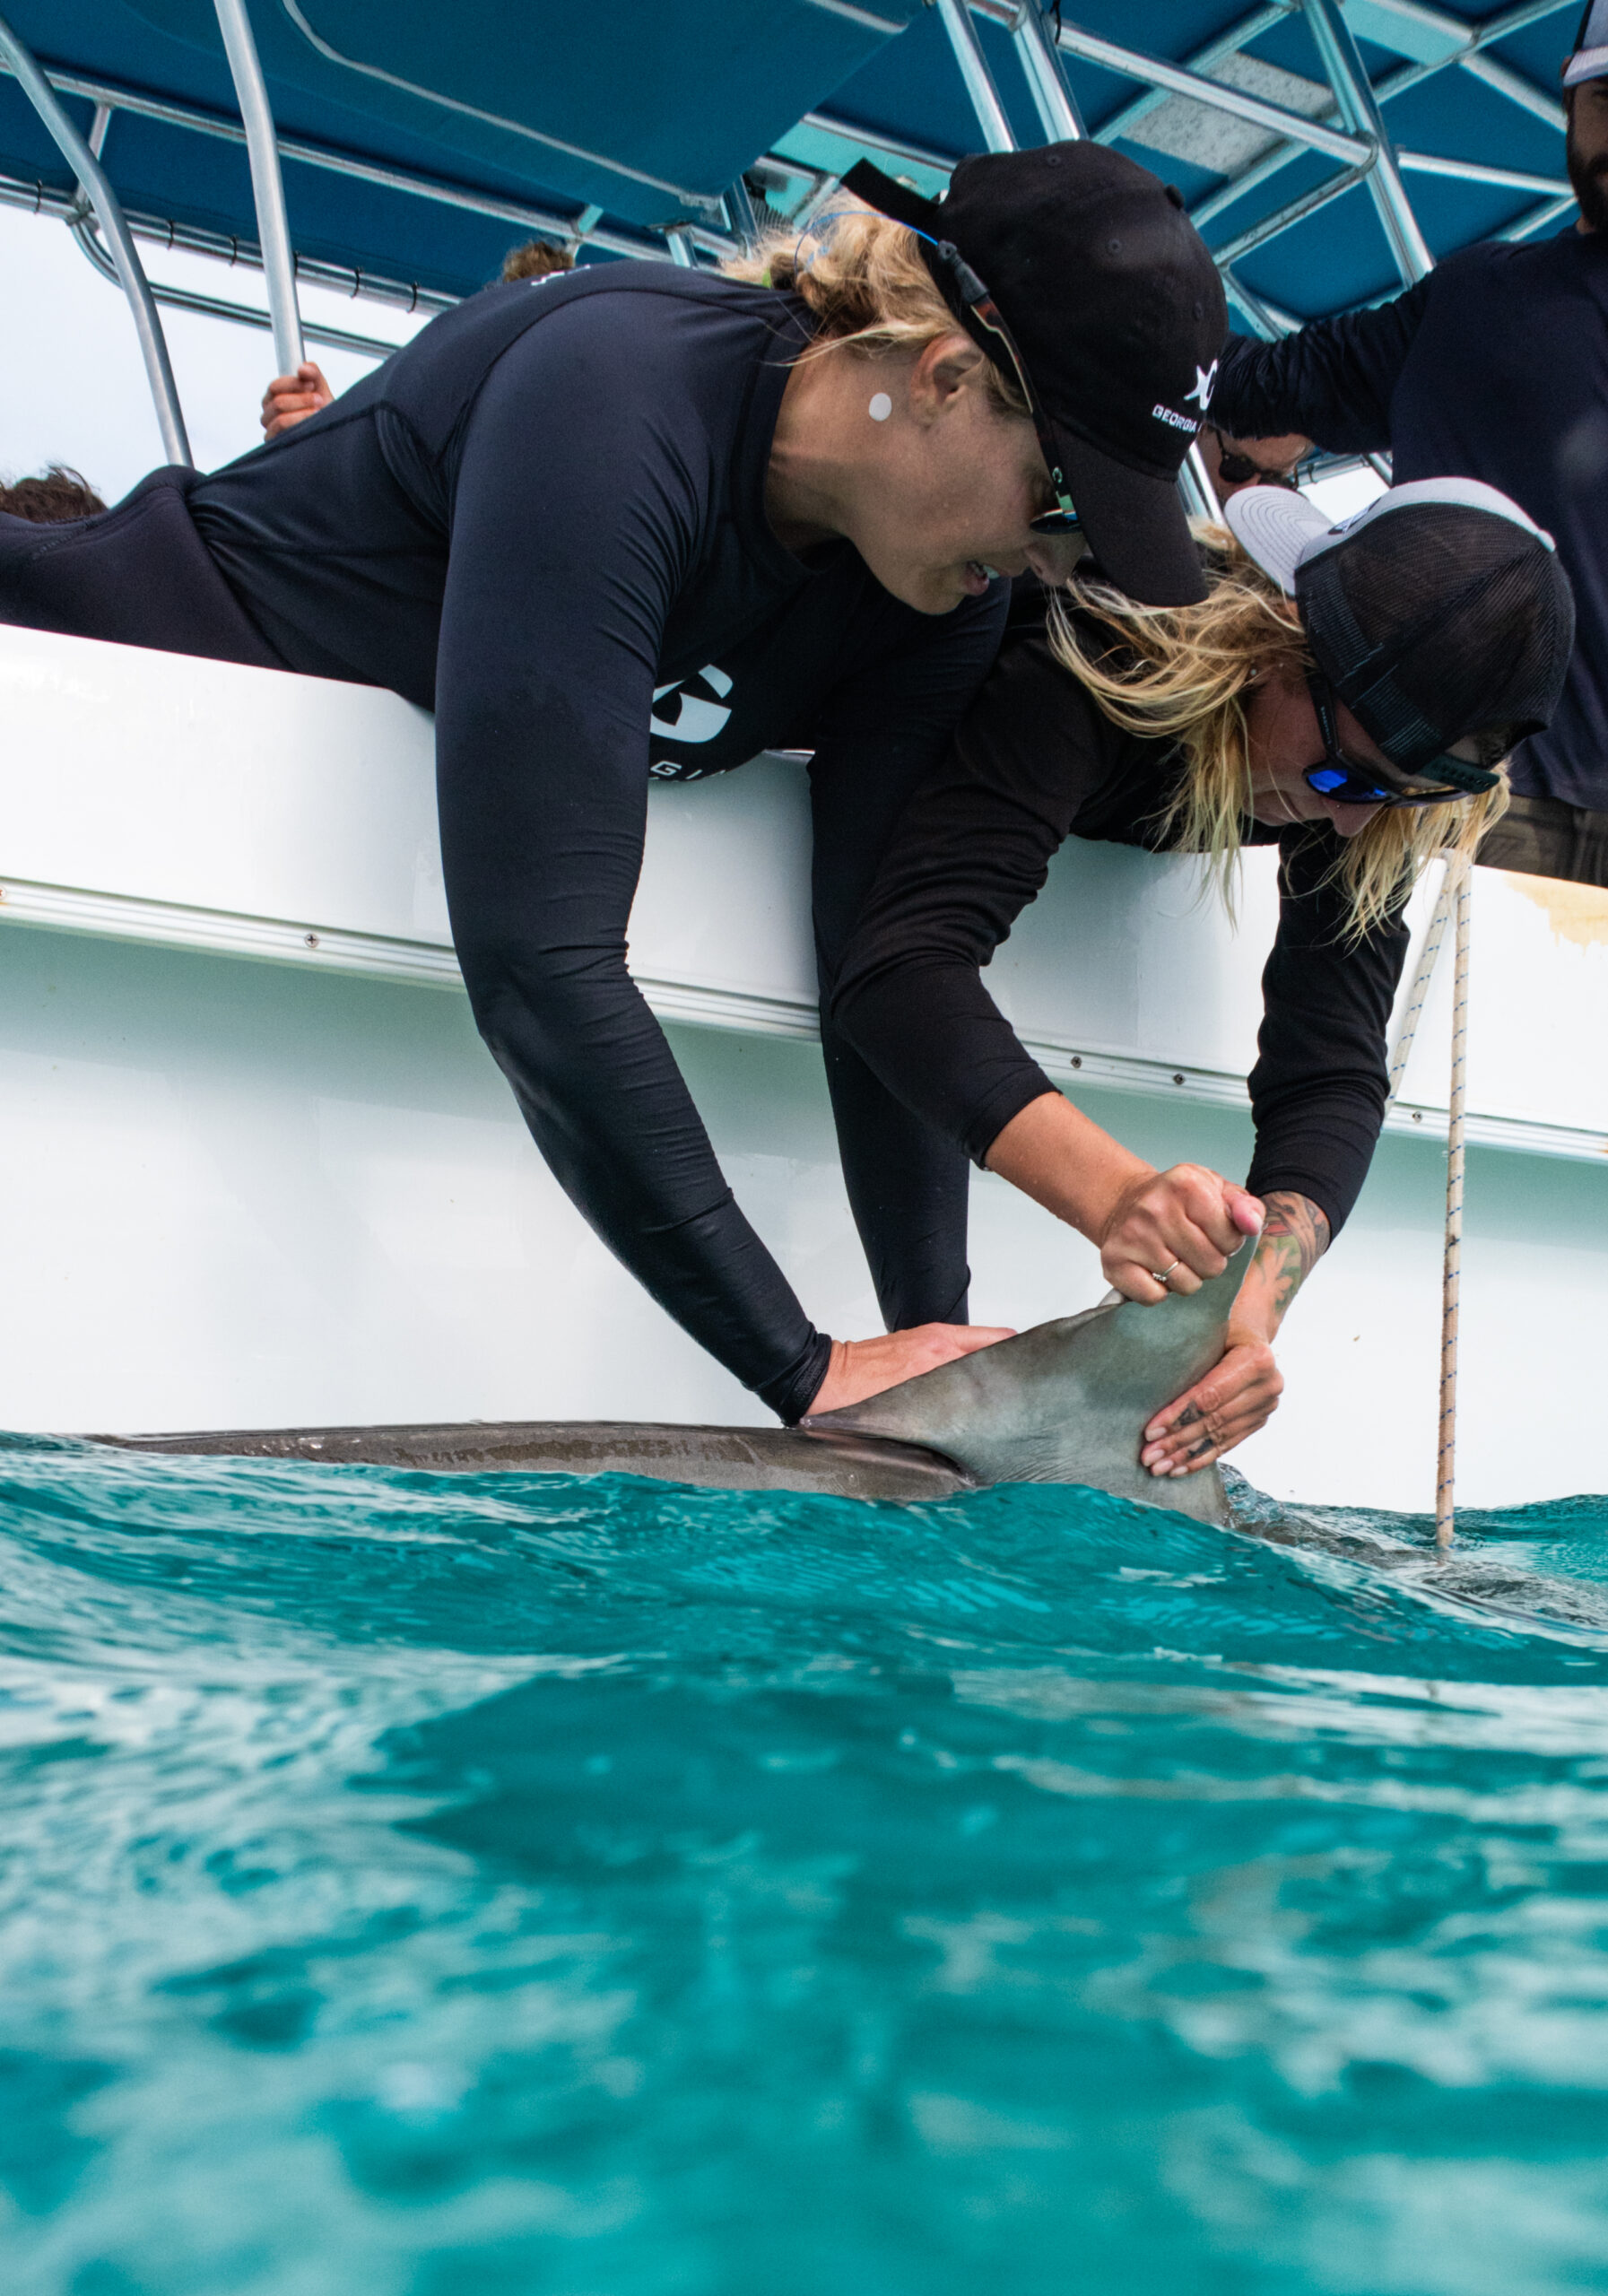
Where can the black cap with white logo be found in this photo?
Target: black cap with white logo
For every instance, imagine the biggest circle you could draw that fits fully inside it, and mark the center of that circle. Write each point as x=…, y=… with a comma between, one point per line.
x=1078, y=271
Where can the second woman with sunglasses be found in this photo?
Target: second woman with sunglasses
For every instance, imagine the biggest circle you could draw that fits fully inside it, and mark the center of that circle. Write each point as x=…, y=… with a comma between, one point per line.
x=1345, y=692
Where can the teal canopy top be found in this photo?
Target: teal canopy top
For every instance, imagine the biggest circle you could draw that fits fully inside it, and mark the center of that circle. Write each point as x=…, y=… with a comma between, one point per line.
x=419, y=143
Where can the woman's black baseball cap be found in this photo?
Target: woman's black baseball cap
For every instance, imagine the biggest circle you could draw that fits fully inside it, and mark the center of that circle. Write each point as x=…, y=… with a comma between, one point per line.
x=1080, y=274
x=1438, y=611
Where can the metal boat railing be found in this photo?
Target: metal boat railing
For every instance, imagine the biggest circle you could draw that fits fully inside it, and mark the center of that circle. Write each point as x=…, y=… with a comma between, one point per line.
x=97, y=189
x=267, y=186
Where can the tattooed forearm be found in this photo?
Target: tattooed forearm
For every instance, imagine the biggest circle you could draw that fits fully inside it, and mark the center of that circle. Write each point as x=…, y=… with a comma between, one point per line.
x=1294, y=1239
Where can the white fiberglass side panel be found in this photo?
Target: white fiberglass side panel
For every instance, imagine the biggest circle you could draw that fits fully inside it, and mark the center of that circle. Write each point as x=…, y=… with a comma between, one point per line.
x=236, y=1194
x=155, y=796
x=1538, y=1003
x=211, y=786
x=723, y=904
x=239, y=1196
x=1130, y=953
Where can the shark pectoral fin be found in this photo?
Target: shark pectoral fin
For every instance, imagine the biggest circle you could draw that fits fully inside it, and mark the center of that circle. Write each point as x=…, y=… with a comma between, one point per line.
x=1067, y=1402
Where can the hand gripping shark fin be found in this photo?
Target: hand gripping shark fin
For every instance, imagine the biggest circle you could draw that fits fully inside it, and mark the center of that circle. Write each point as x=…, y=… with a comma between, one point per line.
x=1066, y=1403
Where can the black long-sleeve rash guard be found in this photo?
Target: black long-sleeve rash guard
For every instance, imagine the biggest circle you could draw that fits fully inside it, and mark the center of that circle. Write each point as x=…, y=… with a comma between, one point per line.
x=545, y=520
x=1035, y=761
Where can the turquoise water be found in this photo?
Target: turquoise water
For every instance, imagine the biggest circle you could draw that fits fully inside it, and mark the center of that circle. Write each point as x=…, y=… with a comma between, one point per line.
x=597, y=1889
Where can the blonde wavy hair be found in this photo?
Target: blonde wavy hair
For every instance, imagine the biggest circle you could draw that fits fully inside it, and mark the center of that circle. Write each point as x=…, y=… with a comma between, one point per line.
x=1184, y=674
x=864, y=281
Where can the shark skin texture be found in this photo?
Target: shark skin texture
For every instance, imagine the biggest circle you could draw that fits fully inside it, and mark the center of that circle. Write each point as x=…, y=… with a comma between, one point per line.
x=1067, y=1402
x=720, y=1458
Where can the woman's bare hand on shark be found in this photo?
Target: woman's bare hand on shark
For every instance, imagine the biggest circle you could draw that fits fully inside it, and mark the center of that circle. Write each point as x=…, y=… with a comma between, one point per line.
x=861, y=1367
x=1242, y=1393
x=1170, y=1231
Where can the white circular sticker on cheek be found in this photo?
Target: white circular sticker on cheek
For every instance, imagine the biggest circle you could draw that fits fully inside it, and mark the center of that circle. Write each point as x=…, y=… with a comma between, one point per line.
x=881, y=407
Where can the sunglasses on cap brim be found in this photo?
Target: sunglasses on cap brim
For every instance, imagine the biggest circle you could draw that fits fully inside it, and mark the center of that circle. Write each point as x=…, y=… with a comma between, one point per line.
x=1346, y=782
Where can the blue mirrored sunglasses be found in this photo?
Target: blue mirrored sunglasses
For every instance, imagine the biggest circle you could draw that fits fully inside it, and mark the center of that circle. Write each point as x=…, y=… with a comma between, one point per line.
x=1348, y=783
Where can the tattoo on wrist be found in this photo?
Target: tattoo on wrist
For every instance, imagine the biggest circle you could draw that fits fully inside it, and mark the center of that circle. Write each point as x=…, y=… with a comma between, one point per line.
x=1294, y=1239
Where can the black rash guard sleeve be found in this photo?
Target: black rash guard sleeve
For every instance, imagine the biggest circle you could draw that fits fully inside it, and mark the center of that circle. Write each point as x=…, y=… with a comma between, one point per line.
x=550, y=634
x=883, y=733
x=1332, y=382
x=1033, y=762
x=971, y=851
x=1320, y=1083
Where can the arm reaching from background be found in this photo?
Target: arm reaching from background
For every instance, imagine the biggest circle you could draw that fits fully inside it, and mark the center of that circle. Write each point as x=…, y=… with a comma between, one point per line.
x=1332, y=382
x=1241, y=1393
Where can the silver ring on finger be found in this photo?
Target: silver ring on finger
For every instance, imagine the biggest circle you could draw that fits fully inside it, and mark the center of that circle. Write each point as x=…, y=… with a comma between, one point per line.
x=1160, y=1274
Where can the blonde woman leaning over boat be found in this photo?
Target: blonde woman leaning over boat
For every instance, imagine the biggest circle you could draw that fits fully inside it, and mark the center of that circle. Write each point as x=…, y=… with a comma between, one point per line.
x=633, y=521
x=1345, y=692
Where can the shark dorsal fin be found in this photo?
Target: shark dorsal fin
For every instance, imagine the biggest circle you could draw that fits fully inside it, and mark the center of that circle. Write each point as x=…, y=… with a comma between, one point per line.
x=1067, y=1402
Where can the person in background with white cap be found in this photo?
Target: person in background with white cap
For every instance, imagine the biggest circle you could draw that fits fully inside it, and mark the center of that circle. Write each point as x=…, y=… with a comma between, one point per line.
x=1494, y=367
x=1345, y=692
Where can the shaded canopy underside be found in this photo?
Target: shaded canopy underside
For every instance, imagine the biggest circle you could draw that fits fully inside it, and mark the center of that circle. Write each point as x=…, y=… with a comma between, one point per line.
x=613, y=124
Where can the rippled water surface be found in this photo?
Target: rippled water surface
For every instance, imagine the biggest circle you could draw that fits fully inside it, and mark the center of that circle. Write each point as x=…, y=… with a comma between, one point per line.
x=601, y=1889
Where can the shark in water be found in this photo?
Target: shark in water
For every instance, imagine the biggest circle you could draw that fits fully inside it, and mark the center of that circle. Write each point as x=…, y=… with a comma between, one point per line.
x=1067, y=1402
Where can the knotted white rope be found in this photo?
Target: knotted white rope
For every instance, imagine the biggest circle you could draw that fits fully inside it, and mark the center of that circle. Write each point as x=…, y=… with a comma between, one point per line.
x=1419, y=990
x=1456, y=889
x=1458, y=893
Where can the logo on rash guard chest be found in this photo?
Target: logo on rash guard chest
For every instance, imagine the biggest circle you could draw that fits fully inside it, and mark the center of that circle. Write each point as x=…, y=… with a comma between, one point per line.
x=690, y=710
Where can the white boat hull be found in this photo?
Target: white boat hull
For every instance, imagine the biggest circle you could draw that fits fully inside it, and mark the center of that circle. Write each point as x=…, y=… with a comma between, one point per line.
x=297, y=1191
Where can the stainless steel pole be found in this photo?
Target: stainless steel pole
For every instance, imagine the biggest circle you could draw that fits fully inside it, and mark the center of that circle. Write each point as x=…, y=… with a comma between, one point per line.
x=1194, y=484
x=1359, y=108
x=98, y=191
x=739, y=207
x=1215, y=94
x=1199, y=59
x=267, y=185
x=1047, y=83
x=974, y=71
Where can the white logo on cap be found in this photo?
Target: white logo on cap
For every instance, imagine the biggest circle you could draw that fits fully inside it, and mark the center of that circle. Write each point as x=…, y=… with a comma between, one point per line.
x=1205, y=383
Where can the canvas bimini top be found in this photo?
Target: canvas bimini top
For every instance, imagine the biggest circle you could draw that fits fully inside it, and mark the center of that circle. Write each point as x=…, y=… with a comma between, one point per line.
x=1329, y=151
